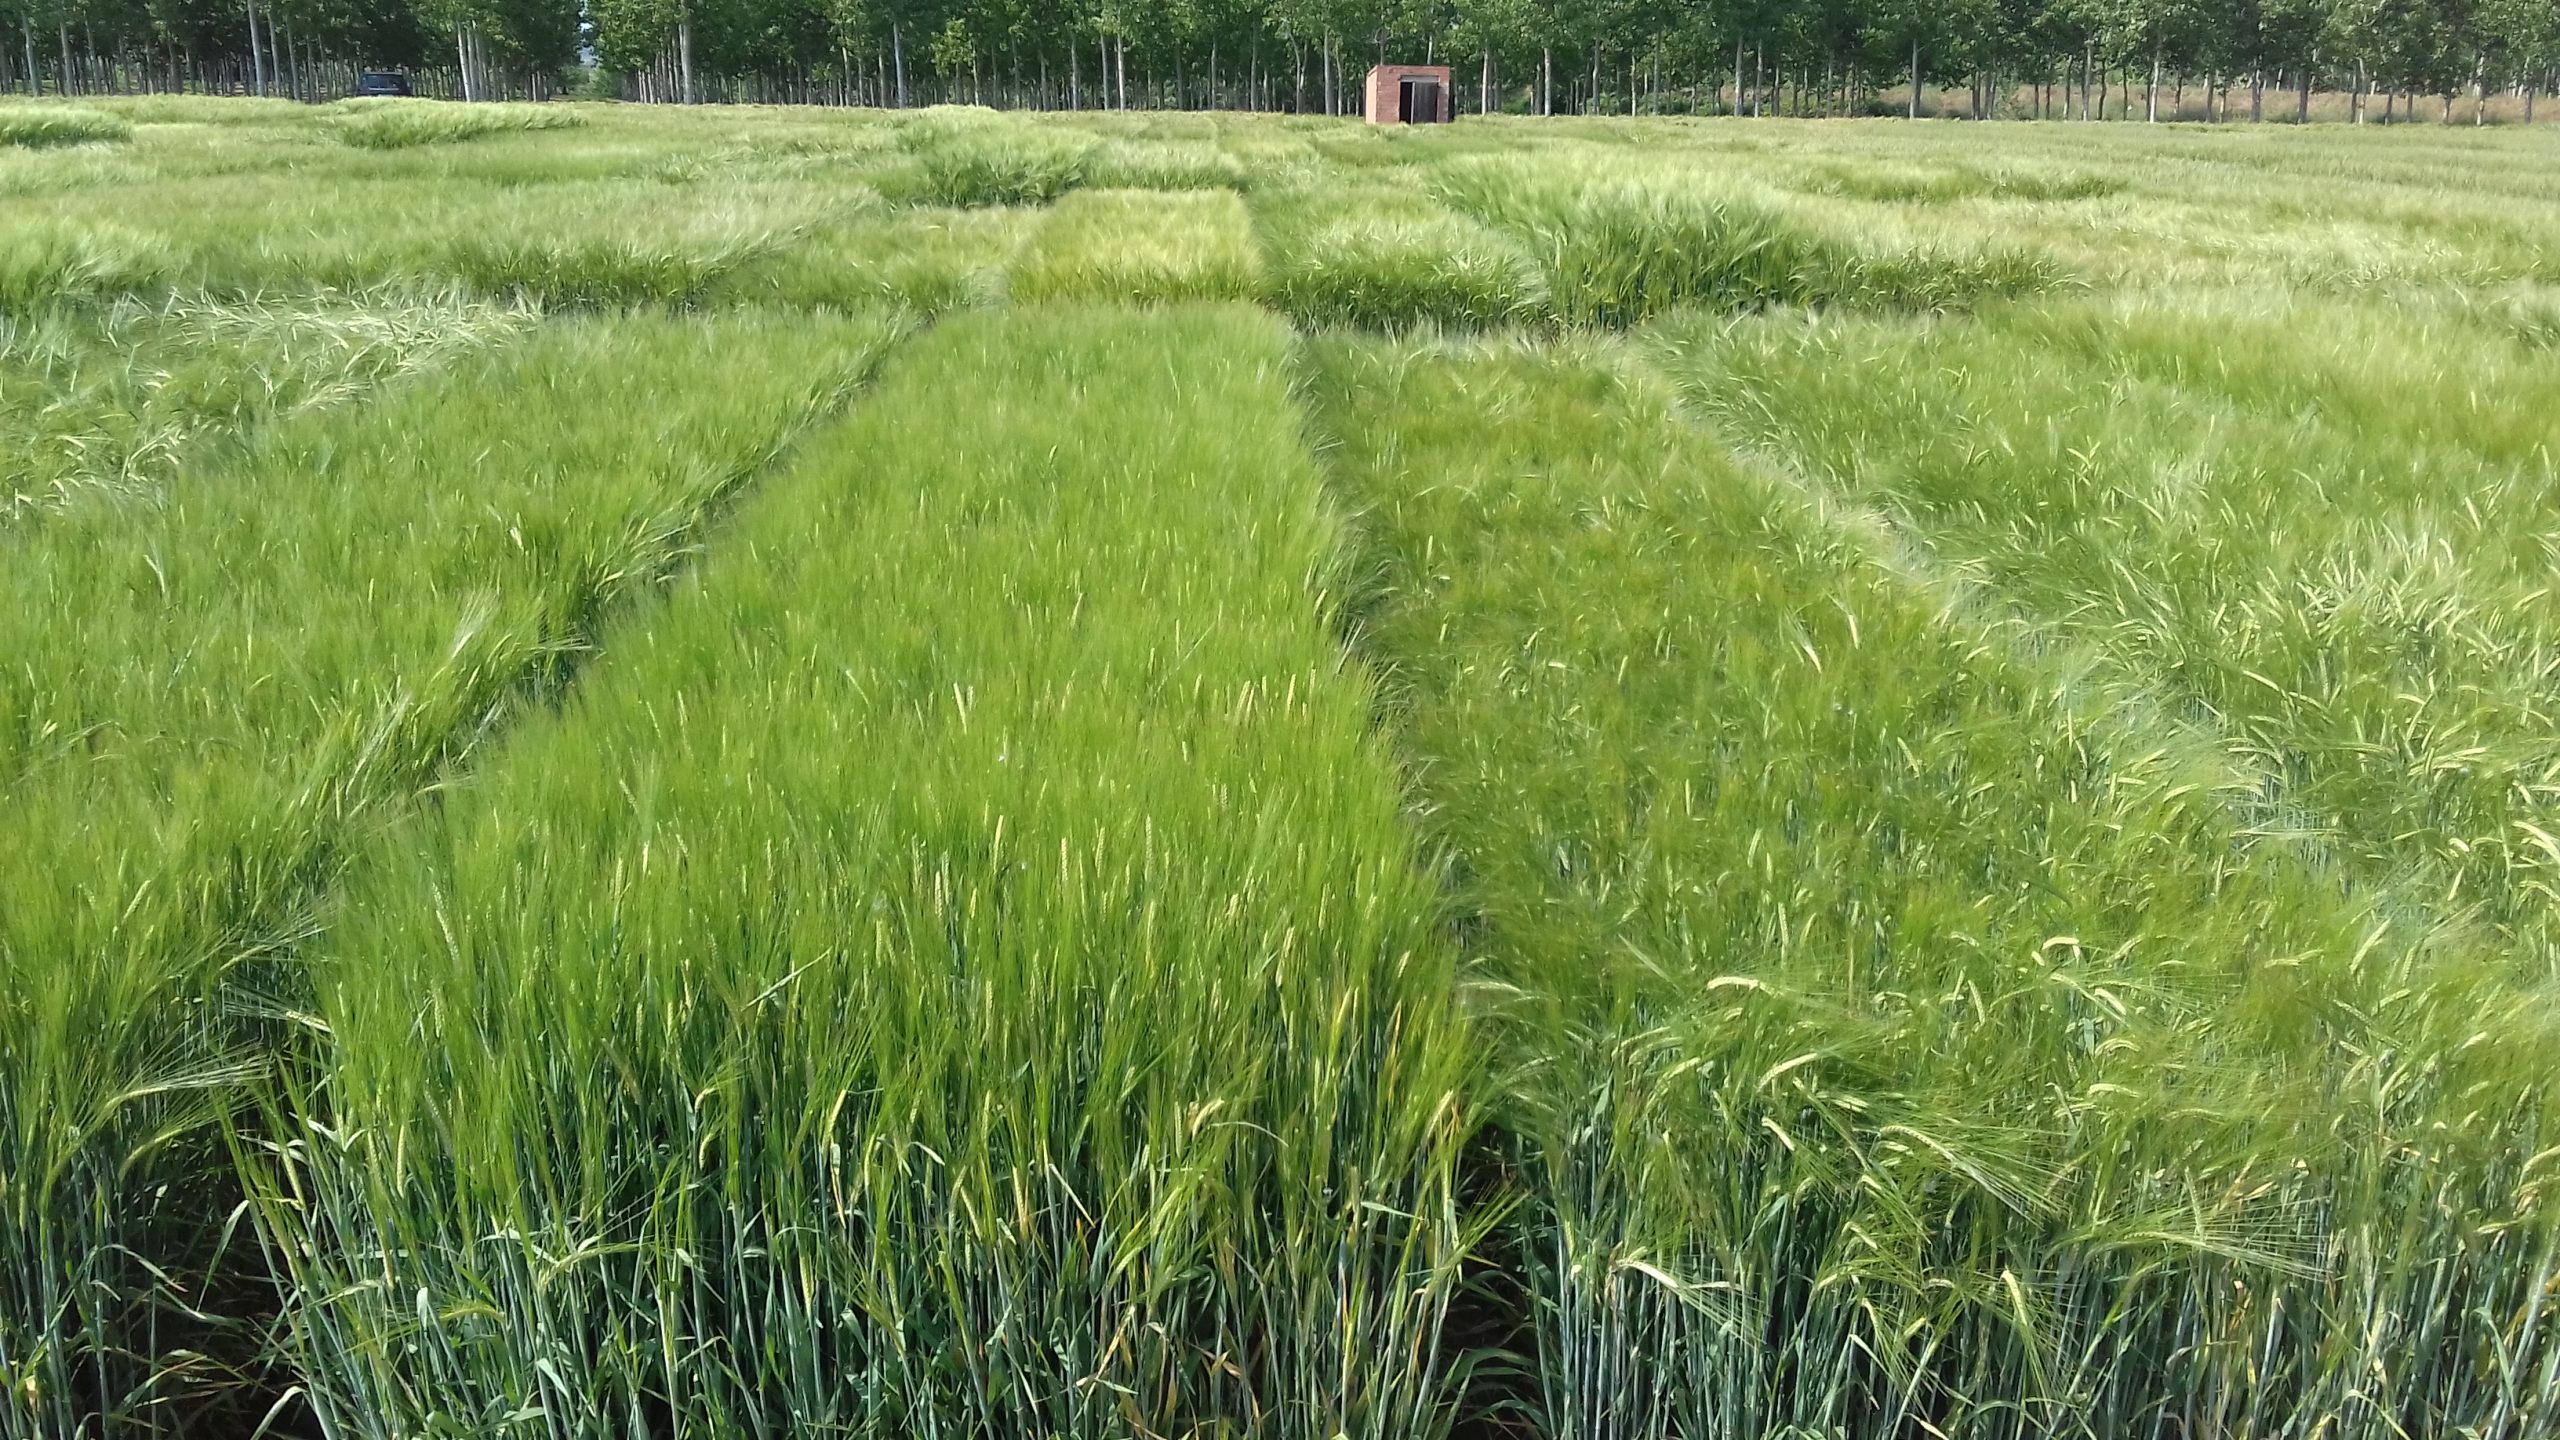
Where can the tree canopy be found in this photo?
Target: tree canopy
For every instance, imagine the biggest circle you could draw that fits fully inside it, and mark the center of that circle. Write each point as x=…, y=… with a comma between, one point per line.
x=1559, y=56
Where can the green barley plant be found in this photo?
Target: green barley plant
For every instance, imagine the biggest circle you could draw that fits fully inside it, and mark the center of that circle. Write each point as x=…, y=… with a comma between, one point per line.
x=2531, y=314
x=2182, y=509
x=46, y=262
x=1846, y=780
x=1163, y=165
x=400, y=124
x=1894, y=1031
x=113, y=404
x=1141, y=245
x=211, y=699
x=1615, y=252
x=1392, y=261
x=962, y=158
x=958, y=970
x=606, y=270
x=1939, y=186
x=929, y=261
x=1944, y=278
x=38, y=126
x=208, y=110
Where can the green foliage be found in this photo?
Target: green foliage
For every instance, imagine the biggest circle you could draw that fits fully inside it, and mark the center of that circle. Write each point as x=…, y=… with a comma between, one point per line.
x=1898, y=1019
x=1391, y=261
x=1939, y=187
x=37, y=126
x=399, y=124
x=226, y=111
x=929, y=261
x=2529, y=314
x=46, y=262
x=600, y=269
x=113, y=404
x=961, y=964
x=1953, y=830
x=1163, y=165
x=955, y=52
x=1141, y=246
x=962, y=158
x=212, y=699
x=1395, y=272
x=1616, y=252
x=1949, y=278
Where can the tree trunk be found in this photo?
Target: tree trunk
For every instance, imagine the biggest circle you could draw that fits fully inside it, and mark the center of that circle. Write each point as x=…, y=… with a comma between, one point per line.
x=1484, y=84
x=1120, y=66
x=1737, y=79
x=684, y=59
x=257, y=61
x=2151, y=97
x=27, y=27
x=1547, y=78
x=898, y=61
x=1915, y=77
x=2479, y=89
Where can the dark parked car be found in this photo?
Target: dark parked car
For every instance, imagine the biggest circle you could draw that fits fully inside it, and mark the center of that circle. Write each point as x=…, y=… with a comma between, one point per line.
x=382, y=82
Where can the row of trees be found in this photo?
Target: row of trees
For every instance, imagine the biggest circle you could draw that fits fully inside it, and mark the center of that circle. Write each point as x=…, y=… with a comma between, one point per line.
x=2074, y=58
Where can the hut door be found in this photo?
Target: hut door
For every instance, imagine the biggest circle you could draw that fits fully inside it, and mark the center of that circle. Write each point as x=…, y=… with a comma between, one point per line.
x=1420, y=102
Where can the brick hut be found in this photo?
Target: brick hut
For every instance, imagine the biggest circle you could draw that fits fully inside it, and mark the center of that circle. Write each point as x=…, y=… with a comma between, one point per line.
x=1409, y=95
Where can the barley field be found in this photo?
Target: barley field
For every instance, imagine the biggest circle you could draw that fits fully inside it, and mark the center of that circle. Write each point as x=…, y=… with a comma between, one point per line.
x=765, y=773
